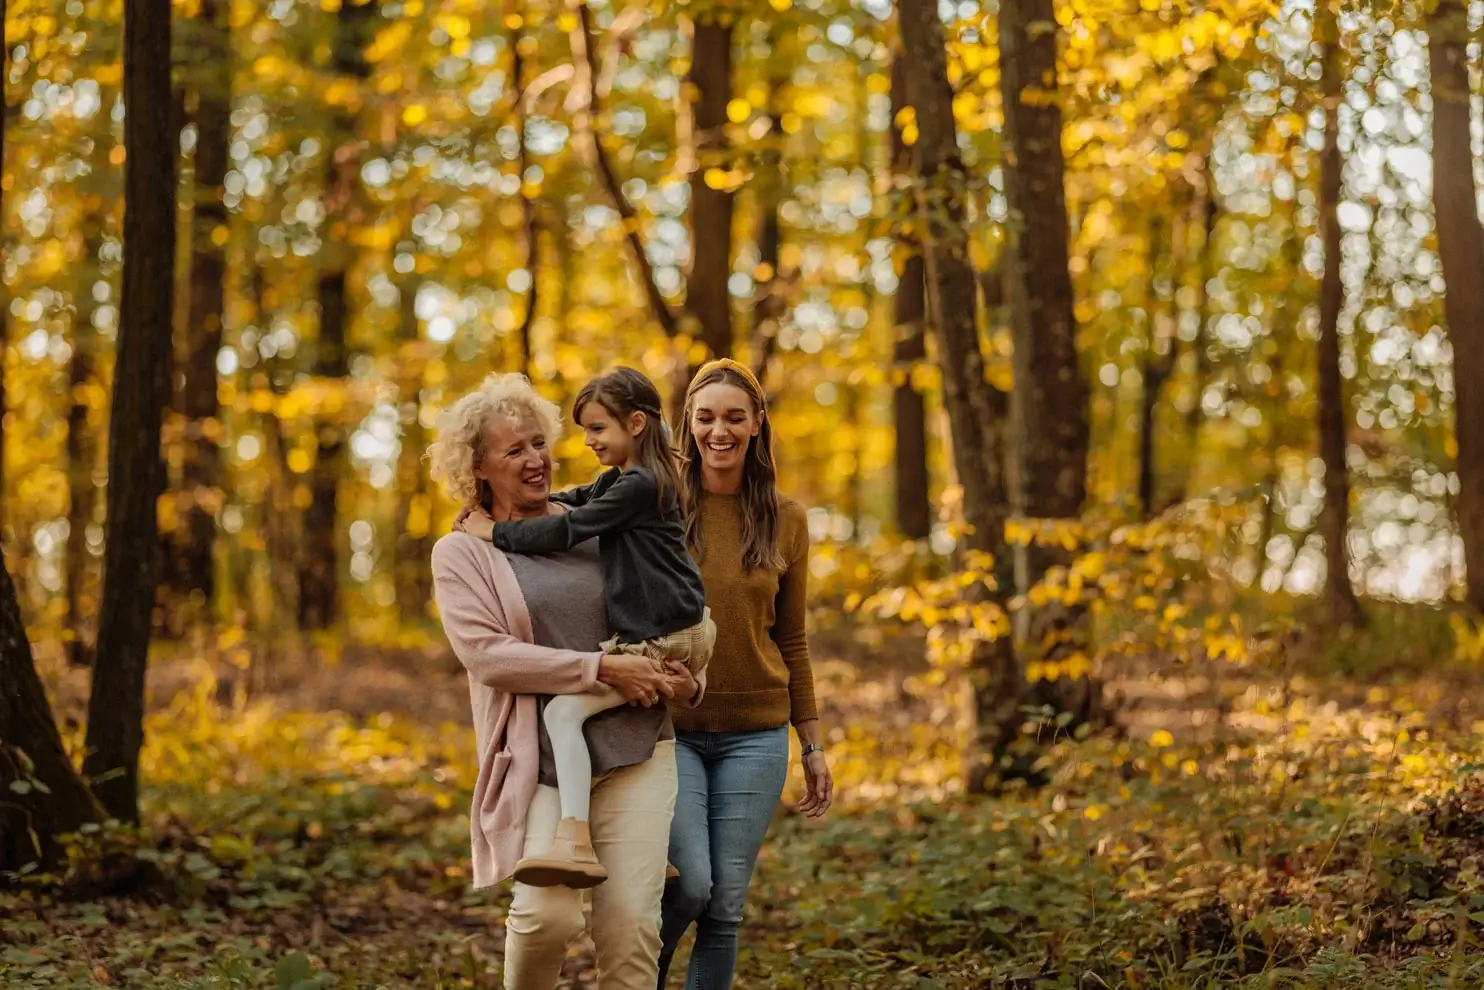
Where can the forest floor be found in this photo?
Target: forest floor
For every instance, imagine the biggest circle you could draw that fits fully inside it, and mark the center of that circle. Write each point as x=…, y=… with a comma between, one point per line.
x=1239, y=829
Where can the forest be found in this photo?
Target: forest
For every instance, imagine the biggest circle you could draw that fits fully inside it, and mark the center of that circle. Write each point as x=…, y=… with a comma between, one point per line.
x=1116, y=348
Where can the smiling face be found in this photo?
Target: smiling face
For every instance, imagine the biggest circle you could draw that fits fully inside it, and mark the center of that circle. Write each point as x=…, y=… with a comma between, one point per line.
x=612, y=440
x=723, y=423
x=517, y=467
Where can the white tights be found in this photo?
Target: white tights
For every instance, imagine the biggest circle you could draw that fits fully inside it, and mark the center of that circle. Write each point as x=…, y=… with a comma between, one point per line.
x=565, y=716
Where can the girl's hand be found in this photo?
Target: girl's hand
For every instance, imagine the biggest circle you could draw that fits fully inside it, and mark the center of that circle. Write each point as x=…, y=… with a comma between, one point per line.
x=635, y=678
x=477, y=523
x=818, y=784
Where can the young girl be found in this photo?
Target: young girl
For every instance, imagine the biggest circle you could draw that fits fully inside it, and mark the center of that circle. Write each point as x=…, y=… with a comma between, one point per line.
x=656, y=602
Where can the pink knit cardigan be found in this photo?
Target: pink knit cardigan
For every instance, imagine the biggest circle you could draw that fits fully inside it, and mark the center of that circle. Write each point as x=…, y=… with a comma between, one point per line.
x=486, y=620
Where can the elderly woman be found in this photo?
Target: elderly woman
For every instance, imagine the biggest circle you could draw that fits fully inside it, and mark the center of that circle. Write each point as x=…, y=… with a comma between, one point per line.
x=528, y=628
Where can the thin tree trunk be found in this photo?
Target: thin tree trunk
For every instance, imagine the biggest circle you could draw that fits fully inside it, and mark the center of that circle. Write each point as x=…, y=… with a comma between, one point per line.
x=711, y=209
x=975, y=408
x=1208, y=269
x=530, y=222
x=141, y=390
x=201, y=470
x=1049, y=403
x=411, y=574
x=914, y=509
x=319, y=561
x=81, y=450
x=1461, y=245
x=1156, y=366
x=768, y=299
x=1334, y=518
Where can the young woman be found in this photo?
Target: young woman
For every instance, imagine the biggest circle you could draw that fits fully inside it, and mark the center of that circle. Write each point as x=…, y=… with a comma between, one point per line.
x=656, y=602
x=732, y=748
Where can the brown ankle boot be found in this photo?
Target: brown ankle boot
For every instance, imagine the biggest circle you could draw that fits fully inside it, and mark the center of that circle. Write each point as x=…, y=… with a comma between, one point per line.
x=570, y=862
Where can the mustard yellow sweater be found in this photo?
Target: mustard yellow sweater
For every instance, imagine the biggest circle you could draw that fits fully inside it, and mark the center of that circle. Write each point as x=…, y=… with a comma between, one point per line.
x=759, y=676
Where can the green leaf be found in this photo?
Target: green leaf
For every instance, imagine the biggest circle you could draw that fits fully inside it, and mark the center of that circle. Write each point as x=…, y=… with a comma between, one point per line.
x=21, y=786
x=291, y=970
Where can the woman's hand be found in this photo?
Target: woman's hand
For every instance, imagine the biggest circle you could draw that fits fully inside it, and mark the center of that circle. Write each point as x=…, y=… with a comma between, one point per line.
x=819, y=786
x=477, y=523
x=635, y=678
x=682, y=681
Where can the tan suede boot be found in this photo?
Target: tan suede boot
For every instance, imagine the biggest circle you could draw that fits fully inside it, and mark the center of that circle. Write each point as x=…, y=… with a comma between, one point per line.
x=570, y=862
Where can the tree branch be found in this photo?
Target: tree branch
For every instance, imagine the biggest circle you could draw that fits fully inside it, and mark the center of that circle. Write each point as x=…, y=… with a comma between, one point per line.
x=588, y=71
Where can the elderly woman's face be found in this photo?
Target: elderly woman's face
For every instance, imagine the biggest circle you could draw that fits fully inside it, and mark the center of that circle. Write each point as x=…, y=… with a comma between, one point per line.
x=517, y=464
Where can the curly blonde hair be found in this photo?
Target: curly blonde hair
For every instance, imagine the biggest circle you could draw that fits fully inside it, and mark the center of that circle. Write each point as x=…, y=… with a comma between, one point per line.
x=463, y=430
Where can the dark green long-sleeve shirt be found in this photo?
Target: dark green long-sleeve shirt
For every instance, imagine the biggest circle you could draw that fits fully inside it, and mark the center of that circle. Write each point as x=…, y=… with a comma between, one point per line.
x=652, y=585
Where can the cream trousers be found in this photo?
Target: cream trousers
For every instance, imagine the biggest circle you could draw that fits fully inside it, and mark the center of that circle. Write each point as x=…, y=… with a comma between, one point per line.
x=631, y=812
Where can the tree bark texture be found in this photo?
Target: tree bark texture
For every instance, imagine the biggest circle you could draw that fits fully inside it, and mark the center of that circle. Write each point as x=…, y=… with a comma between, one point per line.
x=975, y=408
x=1049, y=402
x=914, y=509
x=1334, y=518
x=319, y=560
x=201, y=470
x=41, y=794
x=82, y=493
x=141, y=390
x=706, y=296
x=414, y=544
x=1461, y=245
x=1049, y=417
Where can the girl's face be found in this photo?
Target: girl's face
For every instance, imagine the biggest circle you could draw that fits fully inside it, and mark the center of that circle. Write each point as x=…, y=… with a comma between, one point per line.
x=611, y=440
x=723, y=422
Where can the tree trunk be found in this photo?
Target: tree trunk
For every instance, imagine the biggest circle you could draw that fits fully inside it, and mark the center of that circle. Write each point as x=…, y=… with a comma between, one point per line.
x=201, y=471
x=1049, y=403
x=141, y=390
x=706, y=296
x=82, y=493
x=914, y=509
x=1208, y=270
x=1461, y=245
x=1156, y=366
x=1341, y=606
x=530, y=223
x=768, y=298
x=319, y=561
x=414, y=547
x=975, y=407
x=43, y=795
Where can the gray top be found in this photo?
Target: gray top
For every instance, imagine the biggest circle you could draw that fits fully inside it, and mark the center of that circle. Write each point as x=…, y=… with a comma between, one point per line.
x=564, y=594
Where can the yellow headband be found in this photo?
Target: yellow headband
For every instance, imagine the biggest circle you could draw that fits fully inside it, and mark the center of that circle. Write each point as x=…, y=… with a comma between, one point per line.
x=740, y=370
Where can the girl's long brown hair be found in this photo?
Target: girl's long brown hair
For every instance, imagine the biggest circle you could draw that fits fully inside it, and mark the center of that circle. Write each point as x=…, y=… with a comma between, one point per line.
x=623, y=392
x=759, y=476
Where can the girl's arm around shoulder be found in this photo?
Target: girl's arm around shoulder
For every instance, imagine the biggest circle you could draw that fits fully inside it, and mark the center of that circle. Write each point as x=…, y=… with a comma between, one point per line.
x=474, y=619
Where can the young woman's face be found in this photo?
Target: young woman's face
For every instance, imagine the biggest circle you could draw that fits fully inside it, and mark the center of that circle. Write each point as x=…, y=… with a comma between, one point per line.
x=723, y=422
x=517, y=465
x=611, y=440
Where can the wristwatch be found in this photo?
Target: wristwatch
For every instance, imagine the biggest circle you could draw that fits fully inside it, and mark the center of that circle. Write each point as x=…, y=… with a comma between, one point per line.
x=810, y=748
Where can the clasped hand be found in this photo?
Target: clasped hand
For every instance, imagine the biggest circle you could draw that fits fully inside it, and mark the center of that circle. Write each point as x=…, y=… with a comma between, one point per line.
x=636, y=678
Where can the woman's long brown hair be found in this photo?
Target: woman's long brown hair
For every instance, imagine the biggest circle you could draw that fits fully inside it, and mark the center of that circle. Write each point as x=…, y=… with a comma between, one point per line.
x=759, y=476
x=623, y=392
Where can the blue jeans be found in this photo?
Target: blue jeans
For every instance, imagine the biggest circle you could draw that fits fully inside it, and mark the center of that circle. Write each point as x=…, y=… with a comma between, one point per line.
x=730, y=784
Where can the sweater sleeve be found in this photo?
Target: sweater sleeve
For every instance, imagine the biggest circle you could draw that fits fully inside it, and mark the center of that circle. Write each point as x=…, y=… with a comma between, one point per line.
x=481, y=640
x=626, y=500
x=790, y=610
x=573, y=497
